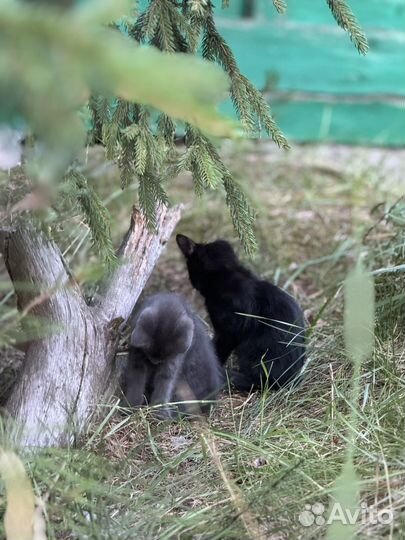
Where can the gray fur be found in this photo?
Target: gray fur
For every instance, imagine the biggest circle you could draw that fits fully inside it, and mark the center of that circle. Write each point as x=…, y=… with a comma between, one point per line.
x=171, y=357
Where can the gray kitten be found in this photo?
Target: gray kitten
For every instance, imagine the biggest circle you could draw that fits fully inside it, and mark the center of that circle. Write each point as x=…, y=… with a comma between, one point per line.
x=171, y=358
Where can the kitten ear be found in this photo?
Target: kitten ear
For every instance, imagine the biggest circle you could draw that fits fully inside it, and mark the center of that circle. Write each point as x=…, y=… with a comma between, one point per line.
x=186, y=245
x=185, y=329
x=144, y=327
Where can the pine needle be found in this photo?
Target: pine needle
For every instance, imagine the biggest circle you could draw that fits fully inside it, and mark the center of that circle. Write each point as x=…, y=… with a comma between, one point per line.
x=96, y=216
x=241, y=213
x=280, y=5
x=151, y=193
x=345, y=18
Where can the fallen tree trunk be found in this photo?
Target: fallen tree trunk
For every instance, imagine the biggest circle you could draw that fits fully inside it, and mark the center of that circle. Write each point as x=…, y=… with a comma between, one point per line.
x=66, y=374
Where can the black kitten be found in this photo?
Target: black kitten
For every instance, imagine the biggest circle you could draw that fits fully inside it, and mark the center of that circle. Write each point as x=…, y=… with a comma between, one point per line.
x=171, y=357
x=260, y=322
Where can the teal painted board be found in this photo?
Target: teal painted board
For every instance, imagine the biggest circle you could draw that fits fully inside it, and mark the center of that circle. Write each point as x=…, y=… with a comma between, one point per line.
x=326, y=122
x=383, y=14
x=310, y=60
x=319, y=121
x=319, y=87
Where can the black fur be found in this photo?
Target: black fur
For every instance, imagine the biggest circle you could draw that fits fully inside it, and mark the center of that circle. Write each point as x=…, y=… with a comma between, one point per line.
x=268, y=337
x=171, y=357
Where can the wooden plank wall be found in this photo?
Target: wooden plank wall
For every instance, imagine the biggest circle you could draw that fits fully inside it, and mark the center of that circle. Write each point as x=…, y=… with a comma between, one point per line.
x=318, y=85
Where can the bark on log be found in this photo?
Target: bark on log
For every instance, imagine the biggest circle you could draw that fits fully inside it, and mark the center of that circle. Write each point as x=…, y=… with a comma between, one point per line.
x=65, y=375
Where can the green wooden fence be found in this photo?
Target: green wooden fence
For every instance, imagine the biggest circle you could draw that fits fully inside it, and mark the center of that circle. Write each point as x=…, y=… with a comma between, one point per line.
x=319, y=87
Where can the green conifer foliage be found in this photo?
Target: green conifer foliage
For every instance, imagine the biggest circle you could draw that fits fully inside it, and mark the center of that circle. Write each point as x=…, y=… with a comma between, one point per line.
x=280, y=5
x=52, y=60
x=142, y=141
x=139, y=139
x=95, y=214
x=345, y=18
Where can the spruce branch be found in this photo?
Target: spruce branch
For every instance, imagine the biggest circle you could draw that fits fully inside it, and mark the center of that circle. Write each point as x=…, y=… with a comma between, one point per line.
x=199, y=179
x=280, y=5
x=131, y=132
x=184, y=33
x=95, y=215
x=144, y=149
x=241, y=104
x=207, y=172
x=145, y=26
x=250, y=105
x=345, y=19
x=166, y=127
x=215, y=48
x=262, y=110
x=181, y=164
x=197, y=19
x=140, y=156
x=126, y=169
x=242, y=215
x=124, y=155
x=121, y=112
x=164, y=38
x=99, y=110
x=195, y=138
x=151, y=193
x=110, y=137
